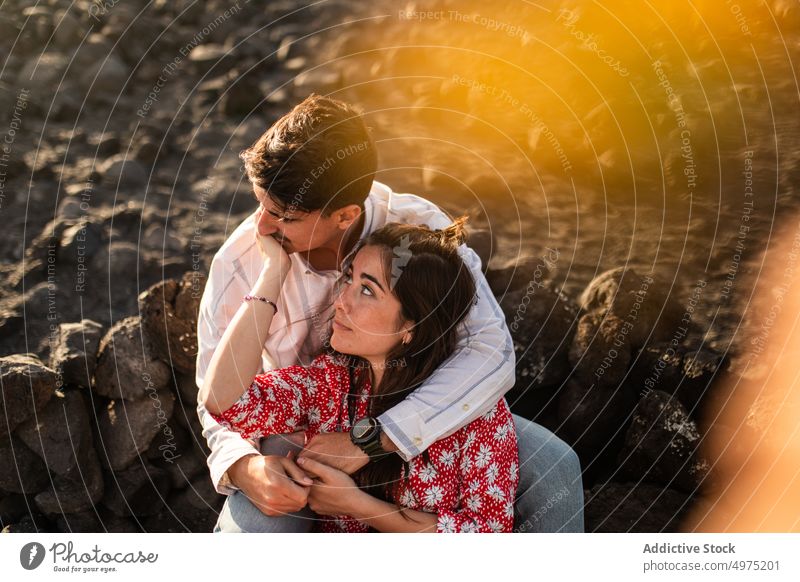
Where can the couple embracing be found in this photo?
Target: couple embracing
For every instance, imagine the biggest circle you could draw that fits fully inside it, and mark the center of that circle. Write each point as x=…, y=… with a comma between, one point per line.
x=353, y=360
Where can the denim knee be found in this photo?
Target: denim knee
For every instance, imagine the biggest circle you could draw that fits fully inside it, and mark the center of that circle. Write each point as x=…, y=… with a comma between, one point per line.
x=550, y=493
x=239, y=515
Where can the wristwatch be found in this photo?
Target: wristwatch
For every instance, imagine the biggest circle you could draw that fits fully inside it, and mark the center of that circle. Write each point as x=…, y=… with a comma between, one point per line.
x=366, y=434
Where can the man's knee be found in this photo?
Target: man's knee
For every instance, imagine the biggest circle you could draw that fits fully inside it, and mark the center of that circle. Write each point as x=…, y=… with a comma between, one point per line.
x=566, y=462
x=544, y=456
x=281, y=444
x=550, y=493
x=239, y=515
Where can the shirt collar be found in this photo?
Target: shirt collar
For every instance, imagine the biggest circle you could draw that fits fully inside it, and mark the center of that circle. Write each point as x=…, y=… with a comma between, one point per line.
x=369, y=217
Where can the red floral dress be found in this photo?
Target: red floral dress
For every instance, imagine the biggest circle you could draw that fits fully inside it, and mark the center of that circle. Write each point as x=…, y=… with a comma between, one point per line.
x=470, y=480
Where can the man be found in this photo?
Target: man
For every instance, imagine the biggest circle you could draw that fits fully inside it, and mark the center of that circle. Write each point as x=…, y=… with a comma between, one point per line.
x=313, y=177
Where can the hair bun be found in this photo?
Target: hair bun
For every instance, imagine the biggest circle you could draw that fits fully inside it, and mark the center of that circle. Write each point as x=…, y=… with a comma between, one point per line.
x=455, y=234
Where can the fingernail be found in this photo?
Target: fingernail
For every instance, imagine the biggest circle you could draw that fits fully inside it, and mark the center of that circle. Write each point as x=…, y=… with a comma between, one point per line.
x=301, y=461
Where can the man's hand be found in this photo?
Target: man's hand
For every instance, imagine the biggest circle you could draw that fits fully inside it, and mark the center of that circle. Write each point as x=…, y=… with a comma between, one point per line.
x=334, y=492
x=335, y=449
x=275, y=485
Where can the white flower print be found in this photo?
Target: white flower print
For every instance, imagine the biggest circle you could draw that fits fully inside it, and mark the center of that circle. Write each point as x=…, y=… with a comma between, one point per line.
x=447, y=524
x=314, y=414
x=427, y=473
x=447, y=458
x=254, y=394
x=512, y=470
x=508, y=510
x=474, y=503
x=468, y=442
x=241, y=416
x=468, y=527
x=495, y=525
x=328, y=426
x=501, y=432
x=492, y=471
x=474, y=486
x=251, y=424
x=489, y=416
x=413, y=467
x=280, y=383
x=483, y=456
x=466, y=463
x=304, y=380
x=496, y=492
x=296, y=410
x=407, y=498
x=433, y=495
x=311, y=385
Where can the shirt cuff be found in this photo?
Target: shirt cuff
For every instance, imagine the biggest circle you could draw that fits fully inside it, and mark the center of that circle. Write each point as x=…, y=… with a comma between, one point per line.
x=219, y=472
x=406, y=447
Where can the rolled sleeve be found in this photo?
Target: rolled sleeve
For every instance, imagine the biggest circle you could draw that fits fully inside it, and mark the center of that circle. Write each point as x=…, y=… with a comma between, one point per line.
x=218, y=305
x=226, y=446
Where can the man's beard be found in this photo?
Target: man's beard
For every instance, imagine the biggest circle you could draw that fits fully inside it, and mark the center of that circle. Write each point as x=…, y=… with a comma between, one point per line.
x=284, y=242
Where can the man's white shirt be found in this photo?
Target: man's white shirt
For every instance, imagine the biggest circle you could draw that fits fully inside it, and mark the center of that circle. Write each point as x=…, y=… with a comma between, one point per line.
x=465, y=386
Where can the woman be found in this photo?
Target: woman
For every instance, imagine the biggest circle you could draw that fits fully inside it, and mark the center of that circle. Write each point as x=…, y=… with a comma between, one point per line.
x=396, y=313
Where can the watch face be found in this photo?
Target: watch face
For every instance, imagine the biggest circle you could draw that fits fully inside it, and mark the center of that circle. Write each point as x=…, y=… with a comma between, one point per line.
x=360, y=429
x=363, y=427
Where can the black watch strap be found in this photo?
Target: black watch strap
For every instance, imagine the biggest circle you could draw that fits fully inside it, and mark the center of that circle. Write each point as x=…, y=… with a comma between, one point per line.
x=374, y=449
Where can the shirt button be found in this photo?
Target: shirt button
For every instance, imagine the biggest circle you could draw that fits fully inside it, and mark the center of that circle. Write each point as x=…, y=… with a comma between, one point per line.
x=417, y=441
x=465, y=407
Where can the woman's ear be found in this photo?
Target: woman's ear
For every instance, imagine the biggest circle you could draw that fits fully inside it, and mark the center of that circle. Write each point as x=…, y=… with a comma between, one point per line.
x=408, y=335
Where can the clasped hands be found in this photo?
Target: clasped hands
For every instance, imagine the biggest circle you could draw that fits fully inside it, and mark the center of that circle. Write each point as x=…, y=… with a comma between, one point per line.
x=319, y=477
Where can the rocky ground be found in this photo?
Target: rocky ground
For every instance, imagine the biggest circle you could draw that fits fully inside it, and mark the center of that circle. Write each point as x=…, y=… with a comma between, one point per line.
x=630, y=302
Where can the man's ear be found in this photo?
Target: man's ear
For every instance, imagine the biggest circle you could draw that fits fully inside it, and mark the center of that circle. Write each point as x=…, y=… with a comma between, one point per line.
x=346, y=215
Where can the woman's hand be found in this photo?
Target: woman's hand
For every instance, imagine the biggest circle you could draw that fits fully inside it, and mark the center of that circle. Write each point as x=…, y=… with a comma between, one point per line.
x=335, y=449
x=333, y=492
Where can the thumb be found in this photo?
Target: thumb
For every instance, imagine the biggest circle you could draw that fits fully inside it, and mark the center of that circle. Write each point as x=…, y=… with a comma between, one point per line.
x=294, y=472
x=314, y=468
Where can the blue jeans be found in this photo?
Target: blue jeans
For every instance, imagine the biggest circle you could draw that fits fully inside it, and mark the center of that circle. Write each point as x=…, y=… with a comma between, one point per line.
x=549, y=497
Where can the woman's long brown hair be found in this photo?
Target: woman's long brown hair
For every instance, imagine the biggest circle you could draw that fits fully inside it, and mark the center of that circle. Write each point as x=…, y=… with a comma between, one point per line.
x=436, y=291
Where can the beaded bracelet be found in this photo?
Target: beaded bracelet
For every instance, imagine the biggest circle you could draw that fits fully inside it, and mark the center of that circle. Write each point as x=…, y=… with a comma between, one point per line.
x=259, y=298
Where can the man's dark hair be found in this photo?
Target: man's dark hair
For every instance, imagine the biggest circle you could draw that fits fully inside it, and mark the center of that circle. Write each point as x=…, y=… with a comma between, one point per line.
x=320, y=155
